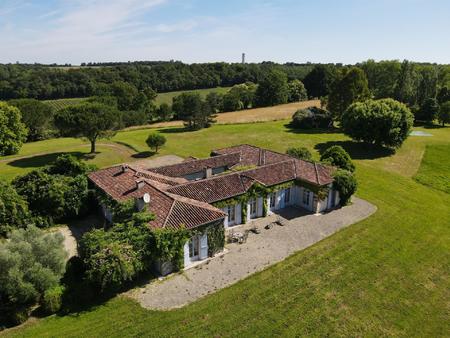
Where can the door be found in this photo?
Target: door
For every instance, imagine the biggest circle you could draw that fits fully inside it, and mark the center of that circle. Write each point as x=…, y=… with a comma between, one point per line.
x=231, y=211
x=194, y=248
x=253, y=208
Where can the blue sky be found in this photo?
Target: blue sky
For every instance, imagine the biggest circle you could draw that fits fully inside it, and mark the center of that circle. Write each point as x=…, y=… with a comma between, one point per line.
x=346, y=31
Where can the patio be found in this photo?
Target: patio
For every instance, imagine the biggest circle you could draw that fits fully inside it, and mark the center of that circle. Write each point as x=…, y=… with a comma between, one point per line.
x=258, y=252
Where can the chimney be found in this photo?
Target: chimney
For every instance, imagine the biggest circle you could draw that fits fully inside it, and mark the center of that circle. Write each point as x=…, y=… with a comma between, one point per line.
x=262, y=157
x=208, y=172
x=124, y=168
x=139, y=184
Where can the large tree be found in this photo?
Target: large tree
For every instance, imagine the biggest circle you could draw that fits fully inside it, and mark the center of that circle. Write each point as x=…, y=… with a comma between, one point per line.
x=407, y=84
x=89, y=120
x=352, y=87
x=384, y=122
x=13, y=131
x=272, y=89
x=36, y=115
x=428, y=111
x=296, y=91
x=320, y=80
x=195, y=112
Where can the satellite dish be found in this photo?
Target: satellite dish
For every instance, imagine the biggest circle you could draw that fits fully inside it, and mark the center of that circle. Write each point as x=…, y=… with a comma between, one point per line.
x=146, y=198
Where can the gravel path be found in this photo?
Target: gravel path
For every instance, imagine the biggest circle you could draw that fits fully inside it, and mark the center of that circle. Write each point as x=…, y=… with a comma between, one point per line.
x=259, y=252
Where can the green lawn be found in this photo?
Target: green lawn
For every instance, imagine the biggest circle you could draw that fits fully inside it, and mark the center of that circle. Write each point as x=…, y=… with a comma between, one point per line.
x=385, y=276
x=435, y=168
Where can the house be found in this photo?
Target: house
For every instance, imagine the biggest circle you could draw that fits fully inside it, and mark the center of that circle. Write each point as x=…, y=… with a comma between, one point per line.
x=233, y=186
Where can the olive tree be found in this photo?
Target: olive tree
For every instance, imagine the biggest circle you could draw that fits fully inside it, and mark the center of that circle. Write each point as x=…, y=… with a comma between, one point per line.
x=384, y=122
x=13, y=131
x=31, y=262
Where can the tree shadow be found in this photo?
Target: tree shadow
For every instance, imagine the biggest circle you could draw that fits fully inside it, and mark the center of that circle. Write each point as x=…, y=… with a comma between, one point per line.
x=143, y=154
x=332, y=130
x=435, y=126
x=175, y=130
x=42, y=160
x=357, y=150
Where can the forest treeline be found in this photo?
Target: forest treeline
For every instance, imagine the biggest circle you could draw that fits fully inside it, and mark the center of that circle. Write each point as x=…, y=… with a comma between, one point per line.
x=406, y=81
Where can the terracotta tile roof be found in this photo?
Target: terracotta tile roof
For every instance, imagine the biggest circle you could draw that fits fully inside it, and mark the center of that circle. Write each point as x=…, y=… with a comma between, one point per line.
x=121, y=186
x=251, y=155
x=176, y=201
x=194, y=166
x=213, y=189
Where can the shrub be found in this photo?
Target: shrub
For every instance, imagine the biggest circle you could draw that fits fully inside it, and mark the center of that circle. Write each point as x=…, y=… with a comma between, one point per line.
x=301, y=153
x=311, y=117
x=13, y=209
x=296, y=91
x=337, y=156
x=12, y=131
x=155, y=141
x=53, y=197
x=51, y=302
x=345, y=183
x=384, y=122
x=31, y=263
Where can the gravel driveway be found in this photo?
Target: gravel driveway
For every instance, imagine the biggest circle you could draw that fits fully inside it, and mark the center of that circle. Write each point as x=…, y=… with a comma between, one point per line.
x=241, y=260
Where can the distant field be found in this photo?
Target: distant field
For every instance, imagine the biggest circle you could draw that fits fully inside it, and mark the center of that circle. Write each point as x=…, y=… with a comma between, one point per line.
x=435, y=168
x=161, y=98
x=63, y=103
x=167, y=97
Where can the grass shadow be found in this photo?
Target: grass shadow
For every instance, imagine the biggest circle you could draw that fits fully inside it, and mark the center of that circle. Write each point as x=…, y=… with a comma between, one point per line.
x=143, y=154
x=357, y=150
x=175, y=130
x=332, y=130
x=42, y=160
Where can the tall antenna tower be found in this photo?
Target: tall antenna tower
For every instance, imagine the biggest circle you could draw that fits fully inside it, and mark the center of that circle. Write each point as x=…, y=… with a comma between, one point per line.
x=243, y=58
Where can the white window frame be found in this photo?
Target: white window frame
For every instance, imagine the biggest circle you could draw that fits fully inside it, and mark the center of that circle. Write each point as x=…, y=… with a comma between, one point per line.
x=194, y=247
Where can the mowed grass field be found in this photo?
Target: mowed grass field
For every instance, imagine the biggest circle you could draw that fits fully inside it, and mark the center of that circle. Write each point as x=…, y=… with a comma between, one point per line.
x=59, y=104
x=385, y=276
x=435, y=168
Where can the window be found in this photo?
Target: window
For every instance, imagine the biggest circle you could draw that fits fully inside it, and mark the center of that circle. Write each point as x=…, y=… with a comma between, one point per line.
x=231, y=213
x=194, y=247
x=273, y=197
x=287, y=195
x=305, y=197
x=253, y=206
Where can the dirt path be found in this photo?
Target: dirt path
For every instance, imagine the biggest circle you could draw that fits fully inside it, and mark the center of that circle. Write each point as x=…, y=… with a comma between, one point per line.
x=259, y=252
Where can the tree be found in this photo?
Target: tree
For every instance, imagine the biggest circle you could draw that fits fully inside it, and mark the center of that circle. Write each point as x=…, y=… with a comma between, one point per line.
x=13, y=209
x=13, y=132
x=164, y=112
x=382, y=77
x=90, y=120
x=444, y=113
x=296, y=91
x=155, y=141
x=301, y=153
x=428, y=111
x=215, y=101
x=36, y=116
x=311, y=117
x=338, y=157
x=319, y=81
x=407, y=84
x=352, y=87
x=443, y=94
x=31, y=262
x=195, y=112
x=345, y=183
x=384, y=122
x=272, y=89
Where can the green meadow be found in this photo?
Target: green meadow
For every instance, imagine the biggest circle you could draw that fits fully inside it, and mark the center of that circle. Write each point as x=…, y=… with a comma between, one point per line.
x=385, y=276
